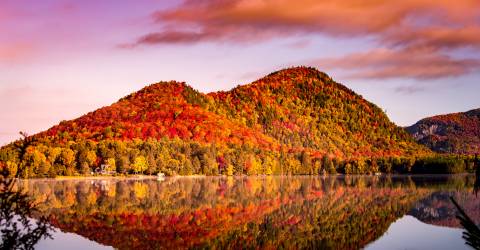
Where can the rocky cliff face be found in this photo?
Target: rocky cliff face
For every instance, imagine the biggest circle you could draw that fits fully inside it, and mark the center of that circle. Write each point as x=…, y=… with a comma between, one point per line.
x=451, y=133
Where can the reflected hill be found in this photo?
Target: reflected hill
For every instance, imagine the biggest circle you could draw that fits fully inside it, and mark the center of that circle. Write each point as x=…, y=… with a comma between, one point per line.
x=437, y=208
x=241, y=212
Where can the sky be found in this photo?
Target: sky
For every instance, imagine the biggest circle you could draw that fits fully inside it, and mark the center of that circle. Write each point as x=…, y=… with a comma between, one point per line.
x=60, y=59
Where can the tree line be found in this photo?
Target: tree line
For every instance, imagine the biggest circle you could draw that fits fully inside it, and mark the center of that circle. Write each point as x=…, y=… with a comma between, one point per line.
x=180, y=157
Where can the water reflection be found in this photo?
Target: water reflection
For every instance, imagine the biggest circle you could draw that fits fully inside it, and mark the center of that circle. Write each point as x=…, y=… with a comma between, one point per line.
x=246, y=212
x=438, y=209
x=410, y=233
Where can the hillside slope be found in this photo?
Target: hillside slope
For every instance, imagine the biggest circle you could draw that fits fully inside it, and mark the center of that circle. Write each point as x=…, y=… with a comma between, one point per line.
x=302, y=107
x=165, y=109
x=450, y=133
x=284, y=122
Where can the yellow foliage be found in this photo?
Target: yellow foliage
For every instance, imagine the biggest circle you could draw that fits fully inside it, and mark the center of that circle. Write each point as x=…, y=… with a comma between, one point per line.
x=229, y=169
x=140, y=190
x=92, y=198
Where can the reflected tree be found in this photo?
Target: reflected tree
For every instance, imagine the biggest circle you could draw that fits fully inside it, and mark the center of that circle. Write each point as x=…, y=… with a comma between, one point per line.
x=229, y=213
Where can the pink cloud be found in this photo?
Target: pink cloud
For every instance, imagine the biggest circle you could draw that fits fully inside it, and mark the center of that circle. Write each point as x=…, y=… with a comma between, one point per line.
x=419, y=63
x=437, y=26
x=340, y=18
x=300, y=44
x=437, y=37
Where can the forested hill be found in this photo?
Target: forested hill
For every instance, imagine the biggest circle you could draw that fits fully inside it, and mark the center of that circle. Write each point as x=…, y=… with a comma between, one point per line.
x=294, y=120
x=305, y=108
x=450, y=133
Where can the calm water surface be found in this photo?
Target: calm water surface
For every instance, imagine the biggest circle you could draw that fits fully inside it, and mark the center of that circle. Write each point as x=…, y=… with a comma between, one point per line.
x=372, y=212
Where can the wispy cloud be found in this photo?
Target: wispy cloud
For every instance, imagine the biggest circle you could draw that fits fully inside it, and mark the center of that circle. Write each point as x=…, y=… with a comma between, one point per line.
x=430, y=28
x=300, y=44
x=418, y=63
x=409, y=89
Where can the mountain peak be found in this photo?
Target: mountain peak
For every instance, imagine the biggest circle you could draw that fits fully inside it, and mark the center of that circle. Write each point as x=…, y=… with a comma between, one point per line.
x=299, y=71
x=159, y=88
x=289, y=79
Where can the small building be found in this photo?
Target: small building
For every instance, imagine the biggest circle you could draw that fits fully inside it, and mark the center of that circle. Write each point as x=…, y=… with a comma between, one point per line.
x=104, y=169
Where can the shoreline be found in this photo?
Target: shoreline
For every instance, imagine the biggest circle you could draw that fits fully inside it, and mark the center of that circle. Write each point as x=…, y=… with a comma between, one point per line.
x=65, y=178
x=103, y=177
x=154, y=177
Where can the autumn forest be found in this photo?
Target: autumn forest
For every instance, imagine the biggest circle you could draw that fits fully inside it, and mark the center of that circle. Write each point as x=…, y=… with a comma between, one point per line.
x=293, y=121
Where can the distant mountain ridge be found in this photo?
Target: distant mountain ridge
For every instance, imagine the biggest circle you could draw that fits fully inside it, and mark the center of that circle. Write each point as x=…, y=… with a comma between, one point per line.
x=450, y=133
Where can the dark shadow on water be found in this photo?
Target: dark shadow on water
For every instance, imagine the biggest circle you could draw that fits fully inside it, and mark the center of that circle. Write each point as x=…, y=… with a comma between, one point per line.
x=18, y=229
x=472, y=231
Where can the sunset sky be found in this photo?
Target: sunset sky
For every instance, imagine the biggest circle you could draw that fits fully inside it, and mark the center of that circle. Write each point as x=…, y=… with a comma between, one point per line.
x=60, y=59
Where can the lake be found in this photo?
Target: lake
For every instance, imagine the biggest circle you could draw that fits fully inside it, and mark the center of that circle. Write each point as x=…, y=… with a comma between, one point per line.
x=273, y=212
